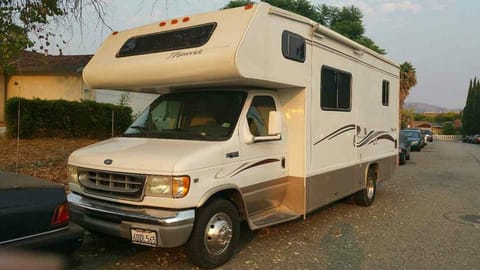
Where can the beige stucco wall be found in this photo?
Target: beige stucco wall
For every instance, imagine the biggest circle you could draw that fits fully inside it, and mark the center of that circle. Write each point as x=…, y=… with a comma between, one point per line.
x=67, y=87
x=2, y=97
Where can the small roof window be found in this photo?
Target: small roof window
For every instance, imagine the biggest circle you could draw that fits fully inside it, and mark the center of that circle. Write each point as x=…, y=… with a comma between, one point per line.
x=178, y=39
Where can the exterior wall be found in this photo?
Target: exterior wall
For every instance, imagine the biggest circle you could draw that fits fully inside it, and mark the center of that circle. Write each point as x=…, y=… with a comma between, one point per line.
x=67, y=87
x=2, y=97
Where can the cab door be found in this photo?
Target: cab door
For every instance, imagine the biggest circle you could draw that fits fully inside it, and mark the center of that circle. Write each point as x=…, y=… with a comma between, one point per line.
x=263, y=175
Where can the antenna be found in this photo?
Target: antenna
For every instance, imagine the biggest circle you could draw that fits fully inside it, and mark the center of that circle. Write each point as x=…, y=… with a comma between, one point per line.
x=18, y=129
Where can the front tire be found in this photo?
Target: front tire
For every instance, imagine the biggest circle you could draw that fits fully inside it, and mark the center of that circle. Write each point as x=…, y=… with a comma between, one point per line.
x=365, y=197
x=215, y=235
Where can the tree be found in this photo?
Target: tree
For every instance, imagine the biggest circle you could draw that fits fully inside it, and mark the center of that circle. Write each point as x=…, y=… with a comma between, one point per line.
x=408, y=79
x=471, y=111
x=24, y=23
x=346, y=20
x=448, y=128
x=237, y=3
x=406, y=117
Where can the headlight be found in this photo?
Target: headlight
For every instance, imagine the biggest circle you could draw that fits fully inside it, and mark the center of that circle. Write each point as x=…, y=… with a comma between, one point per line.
x=167, y=186
x=72, y=173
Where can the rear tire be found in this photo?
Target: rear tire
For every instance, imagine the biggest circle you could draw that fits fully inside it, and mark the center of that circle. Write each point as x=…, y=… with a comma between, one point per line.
x=365, y=197
x=402, y=159
x=215, y=236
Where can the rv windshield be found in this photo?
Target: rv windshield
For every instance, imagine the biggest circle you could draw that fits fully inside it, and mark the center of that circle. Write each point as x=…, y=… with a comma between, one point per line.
x=200, y=115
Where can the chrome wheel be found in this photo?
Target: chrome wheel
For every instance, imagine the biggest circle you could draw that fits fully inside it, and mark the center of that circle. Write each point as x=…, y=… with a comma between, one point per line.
x=370, y=189
x=218, y=233
x=366, y=196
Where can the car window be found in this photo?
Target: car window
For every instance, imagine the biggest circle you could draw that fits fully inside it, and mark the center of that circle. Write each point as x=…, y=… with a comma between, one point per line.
x=258, y=115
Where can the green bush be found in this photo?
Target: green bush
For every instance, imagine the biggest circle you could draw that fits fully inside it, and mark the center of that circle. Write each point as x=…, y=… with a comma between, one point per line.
x=66, y=119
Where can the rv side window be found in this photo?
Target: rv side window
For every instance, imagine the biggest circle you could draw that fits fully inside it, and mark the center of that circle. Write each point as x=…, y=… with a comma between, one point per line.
x=184, y=38
x=293, y=46
x=385, y=92
x=335, y=90
x=258, y=115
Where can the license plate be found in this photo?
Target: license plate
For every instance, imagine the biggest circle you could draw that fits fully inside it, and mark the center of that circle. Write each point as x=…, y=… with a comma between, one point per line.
x=144, y=237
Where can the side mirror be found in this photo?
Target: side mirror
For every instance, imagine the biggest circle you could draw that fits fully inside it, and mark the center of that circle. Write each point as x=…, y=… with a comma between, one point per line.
x=274, y=130
x=274, y=123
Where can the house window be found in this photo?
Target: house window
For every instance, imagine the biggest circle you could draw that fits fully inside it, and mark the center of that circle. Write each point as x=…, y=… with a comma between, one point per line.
x=385, y=92
x=335, y=90
x=179, y=39
x=258, y=115
x=293, y=46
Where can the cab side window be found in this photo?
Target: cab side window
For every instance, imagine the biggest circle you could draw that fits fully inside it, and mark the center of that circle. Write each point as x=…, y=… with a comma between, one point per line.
x=258, y=115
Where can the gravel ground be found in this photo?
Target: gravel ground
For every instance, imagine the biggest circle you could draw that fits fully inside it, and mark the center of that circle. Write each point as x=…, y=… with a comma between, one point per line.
x=426, y=217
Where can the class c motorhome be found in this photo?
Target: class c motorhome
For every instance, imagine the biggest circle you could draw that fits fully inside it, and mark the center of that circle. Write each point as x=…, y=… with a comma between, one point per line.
x=267, y=117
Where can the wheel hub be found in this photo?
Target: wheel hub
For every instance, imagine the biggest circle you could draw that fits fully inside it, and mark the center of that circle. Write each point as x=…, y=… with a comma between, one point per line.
x=370, y=189
x=218, y=233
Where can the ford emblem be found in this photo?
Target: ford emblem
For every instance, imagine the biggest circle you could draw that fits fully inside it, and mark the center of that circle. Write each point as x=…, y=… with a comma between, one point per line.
x=108, y=161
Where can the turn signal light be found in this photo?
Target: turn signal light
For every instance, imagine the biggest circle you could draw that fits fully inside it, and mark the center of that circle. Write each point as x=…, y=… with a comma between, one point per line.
x=61, y=214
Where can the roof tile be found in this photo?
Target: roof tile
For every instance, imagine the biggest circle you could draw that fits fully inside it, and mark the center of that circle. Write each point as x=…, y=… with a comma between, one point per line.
x=37, y=63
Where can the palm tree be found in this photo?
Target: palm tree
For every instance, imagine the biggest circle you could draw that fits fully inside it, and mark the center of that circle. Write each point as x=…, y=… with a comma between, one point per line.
x=408, y=79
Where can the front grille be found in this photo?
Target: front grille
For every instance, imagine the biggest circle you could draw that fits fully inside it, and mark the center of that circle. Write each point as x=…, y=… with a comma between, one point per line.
x=112, y=184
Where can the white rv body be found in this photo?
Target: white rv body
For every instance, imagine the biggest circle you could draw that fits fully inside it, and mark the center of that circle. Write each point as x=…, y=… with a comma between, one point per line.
x=324, y=151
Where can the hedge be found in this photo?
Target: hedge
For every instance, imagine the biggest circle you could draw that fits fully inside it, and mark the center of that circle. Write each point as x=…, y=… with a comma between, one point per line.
x=65, y=119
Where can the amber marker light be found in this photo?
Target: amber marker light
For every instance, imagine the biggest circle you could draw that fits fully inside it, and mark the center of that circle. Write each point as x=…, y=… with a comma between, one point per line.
x=174, y=21
x=114, y=33
x=248, y=6
x=186, y=19
x=162, y=24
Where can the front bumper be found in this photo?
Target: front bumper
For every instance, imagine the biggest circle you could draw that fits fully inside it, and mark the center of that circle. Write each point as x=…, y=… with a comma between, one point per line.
x=173, y=228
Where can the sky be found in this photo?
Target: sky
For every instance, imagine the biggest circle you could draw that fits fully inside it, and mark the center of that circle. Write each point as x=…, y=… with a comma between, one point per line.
x=441, y=38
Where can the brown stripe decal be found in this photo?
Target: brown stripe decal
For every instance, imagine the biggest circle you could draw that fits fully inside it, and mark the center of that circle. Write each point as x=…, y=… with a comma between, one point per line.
x=386, y=137
x=259, y=163
x=339, y=132
x=369, y=138
x=266, y=184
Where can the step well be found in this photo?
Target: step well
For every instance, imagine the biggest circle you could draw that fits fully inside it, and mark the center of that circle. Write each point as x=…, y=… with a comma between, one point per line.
x=272, y=216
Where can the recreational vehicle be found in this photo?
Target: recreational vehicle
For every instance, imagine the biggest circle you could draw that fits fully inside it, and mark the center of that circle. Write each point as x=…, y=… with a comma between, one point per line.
x=266, y=117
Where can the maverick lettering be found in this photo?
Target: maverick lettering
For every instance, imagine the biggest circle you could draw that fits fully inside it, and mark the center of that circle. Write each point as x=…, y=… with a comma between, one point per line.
x=182, y=54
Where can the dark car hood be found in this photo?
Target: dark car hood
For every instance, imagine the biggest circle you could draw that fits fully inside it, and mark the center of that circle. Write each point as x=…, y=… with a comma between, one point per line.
x=413, y=139
x=15, y=181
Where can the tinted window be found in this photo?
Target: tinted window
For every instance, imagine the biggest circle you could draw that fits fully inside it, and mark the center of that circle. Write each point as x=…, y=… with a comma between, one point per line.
x=167, y=41
x=258, y=115
x=293, y=46
x=412, y=133
x=335, y=90
x=385, y=92
x=196, y=115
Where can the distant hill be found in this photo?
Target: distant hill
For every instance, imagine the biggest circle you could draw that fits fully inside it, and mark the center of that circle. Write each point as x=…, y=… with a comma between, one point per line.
x=423, y=107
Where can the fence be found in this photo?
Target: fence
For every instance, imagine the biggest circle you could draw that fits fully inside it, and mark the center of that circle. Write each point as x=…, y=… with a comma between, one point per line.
x=447, y=137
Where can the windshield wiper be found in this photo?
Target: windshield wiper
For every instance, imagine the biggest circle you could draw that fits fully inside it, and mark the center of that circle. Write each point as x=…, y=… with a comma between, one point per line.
x=142, y=128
